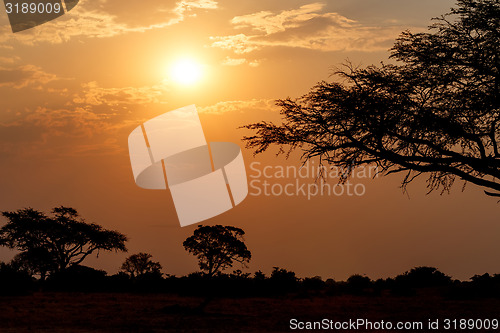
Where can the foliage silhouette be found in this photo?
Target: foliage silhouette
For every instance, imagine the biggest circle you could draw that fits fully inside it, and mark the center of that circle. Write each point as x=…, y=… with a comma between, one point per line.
x=52, y=244
x=359, y=284
x=78, y=278
x=217, y=248
x=15, y=281
x=259, y=276
x=36, y=262
x=423, y=276
x=436, y=112
x=282, y=282
x=140, y=264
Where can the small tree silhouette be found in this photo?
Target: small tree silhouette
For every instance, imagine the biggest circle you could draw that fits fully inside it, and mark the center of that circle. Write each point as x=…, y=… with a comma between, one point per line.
x=423, y=276
x=283, y=281
x=141, y=264
x=14, y=280
x=358, y=283
x=36, y=262
x=217, y=248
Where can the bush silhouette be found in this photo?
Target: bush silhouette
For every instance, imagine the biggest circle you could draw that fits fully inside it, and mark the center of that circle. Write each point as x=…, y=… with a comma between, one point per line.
x=140, y=265
x=283, y=281
x=78, y=278
x=358, y=284
x=421, y=277
x=14, y=281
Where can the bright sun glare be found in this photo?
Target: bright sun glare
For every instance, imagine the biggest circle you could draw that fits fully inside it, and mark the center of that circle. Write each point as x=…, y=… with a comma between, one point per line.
x=186, y=71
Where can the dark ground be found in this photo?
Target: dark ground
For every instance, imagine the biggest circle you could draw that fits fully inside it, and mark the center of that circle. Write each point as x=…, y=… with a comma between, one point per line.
x=126, y=312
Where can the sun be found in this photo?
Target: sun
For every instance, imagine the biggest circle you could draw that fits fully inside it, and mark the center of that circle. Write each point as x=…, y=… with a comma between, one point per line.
x=186, y=71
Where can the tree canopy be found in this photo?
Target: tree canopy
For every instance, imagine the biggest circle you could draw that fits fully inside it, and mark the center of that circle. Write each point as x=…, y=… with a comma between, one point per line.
x=217, y=247
x=141, y=264
x=435, y=112
x=50, y=244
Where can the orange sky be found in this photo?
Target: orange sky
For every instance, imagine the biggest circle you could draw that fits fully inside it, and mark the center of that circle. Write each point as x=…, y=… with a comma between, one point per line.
x=73, y=89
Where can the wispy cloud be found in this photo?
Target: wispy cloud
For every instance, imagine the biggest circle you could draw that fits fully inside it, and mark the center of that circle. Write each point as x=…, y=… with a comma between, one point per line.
x=239, y=43
x=25, y=76
x=94, y=128
x=83, y=120
x=239, y=106
x=93, y=94
x=184, y=6
x=40, y=130
x=270, y=23
x=9, y=60
x=306, y=27
x=101, y=19
x=228, y=61
x=233, y=61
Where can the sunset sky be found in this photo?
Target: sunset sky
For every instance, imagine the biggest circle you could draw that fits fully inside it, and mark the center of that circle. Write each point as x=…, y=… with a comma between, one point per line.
x=73, y=89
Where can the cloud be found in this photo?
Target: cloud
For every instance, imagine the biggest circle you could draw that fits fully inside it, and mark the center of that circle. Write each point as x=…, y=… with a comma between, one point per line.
x=254, y=63
x=25, y=76
x=270, y=23
x=78, y=121
x=91, y=129
x=93, y=94
x=142, y=16
x=228, y=61
x=106, y=18
x=82, y=125
x=240, y=43
x=64, y=132
x=33, y=130
x=307, y=27
x=9, y=60
x=83, y=23
x=185, y=6
x=239, y=106
x=233, y=62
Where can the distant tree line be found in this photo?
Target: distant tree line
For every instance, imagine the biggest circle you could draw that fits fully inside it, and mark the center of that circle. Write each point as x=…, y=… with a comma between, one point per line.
x=52, y=249
x=281, y=282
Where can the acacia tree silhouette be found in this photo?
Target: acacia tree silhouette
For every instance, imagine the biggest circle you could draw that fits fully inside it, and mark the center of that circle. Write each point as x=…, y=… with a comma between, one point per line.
x=217, y=247
x=52, y=244
x=436, y=112
x=140, y=264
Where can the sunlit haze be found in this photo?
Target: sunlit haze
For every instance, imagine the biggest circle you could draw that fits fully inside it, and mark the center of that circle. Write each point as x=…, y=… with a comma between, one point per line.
x=185, y=71
x=73, y=89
